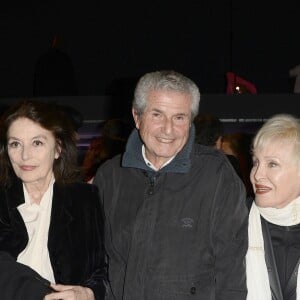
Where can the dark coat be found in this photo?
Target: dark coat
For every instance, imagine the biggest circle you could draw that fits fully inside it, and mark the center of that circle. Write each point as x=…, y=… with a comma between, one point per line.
x=19, y=282
x=75, y=234
x=179, y=233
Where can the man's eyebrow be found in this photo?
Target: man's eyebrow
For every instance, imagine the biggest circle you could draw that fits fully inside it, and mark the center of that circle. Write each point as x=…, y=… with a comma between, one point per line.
x=156, y=109
x=181, y=114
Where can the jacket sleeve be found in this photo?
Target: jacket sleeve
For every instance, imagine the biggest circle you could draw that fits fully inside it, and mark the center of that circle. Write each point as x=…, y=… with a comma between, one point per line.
x=9, y=242
x=97, y=281
x=116, y=268
x=230, y=236
x=20, y=282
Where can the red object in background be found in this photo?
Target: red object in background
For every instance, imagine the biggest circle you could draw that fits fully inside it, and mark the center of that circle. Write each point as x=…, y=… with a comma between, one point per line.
x=239, y=85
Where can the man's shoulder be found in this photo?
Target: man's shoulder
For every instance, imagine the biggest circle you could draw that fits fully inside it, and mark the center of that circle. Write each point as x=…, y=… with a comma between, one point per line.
x=203, y=152
x=209, y=157
x=114, y=162
x=111, y=165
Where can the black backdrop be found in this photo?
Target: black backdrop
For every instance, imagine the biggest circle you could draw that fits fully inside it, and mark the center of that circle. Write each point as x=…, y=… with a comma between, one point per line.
x=111, y=44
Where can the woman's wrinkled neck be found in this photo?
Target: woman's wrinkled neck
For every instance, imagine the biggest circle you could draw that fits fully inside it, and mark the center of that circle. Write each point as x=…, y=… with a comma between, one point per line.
x=37, y=189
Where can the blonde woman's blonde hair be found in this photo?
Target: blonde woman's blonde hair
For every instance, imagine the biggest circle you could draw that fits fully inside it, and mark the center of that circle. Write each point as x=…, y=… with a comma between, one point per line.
x=281, y=127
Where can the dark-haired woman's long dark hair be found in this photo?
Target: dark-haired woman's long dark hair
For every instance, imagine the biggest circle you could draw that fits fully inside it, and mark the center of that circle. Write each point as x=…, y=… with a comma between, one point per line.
x=51, y=118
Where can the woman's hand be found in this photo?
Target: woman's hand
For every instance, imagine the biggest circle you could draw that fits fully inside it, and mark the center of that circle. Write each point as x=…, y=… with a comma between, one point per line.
x=70, y=292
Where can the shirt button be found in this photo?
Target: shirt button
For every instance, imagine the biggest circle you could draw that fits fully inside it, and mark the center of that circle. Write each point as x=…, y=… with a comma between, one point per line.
x=193, y=290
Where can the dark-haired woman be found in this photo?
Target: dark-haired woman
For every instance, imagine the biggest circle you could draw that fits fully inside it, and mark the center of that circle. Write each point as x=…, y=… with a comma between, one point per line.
x=49, y=221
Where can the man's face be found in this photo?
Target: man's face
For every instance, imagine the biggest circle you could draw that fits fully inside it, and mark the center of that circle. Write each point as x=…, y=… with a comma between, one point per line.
x=164, y=125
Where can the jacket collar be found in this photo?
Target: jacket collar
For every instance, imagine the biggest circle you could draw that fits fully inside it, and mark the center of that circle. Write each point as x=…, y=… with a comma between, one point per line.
x=15, y=190
x=133, y=157
x=60, y=204
x=61, y=216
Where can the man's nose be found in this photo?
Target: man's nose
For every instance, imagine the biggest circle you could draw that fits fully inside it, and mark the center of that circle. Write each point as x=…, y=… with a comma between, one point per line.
x=168, y=125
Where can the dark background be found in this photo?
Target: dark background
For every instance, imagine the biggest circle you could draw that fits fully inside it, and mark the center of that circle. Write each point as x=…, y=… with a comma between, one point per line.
x=111, y=44
x=104, y=47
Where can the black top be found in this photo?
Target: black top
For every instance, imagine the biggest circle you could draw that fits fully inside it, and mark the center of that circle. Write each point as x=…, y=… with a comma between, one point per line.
x=286, y=246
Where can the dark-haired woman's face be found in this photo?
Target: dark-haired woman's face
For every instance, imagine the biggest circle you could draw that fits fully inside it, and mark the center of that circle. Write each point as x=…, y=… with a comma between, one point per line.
x=31, y=150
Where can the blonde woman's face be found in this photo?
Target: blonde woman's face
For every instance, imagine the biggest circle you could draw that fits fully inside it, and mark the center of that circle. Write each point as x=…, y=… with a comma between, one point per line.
x=275, y=175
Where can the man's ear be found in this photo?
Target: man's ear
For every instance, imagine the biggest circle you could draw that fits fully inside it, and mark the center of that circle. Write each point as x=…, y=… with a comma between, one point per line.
x=136, y=117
